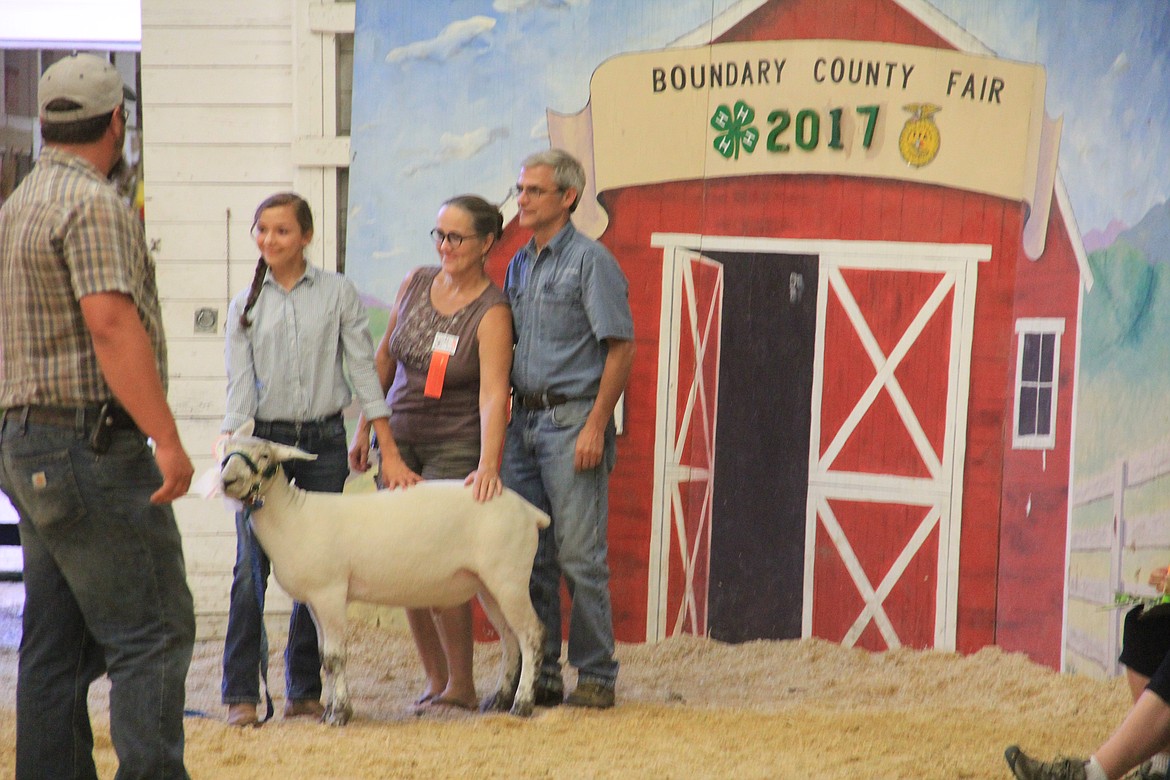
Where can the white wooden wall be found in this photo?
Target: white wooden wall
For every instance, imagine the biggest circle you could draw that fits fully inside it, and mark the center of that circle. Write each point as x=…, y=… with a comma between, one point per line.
x=239, y=101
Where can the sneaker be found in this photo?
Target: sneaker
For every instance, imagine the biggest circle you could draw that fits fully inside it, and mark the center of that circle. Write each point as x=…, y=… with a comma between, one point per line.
x=548, y=694
x=598, y=696
x=1025, y=768
x=1146, y=772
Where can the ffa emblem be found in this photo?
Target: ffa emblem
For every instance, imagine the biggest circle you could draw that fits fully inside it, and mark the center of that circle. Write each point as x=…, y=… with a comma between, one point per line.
x=919, y=139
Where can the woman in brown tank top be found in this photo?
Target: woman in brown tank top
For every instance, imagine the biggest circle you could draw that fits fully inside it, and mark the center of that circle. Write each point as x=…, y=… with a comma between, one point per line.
x=444, y=361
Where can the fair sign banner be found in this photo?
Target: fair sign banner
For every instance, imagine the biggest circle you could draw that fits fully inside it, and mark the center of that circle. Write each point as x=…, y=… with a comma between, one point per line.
x=847, y=108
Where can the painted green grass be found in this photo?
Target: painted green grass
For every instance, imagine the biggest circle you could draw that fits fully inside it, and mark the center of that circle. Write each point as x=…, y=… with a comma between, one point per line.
x=1124, y=390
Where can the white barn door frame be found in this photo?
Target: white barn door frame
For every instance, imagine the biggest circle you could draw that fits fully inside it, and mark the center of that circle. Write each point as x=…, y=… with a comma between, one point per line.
x=940, y=492
x=679, y=250
x=681, y=533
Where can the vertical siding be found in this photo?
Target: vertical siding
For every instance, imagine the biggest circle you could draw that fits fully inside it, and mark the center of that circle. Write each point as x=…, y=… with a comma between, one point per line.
x=217, y=100
x=1034, y=498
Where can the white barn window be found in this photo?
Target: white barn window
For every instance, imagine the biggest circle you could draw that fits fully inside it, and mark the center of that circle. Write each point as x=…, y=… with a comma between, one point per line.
x=1037, y=374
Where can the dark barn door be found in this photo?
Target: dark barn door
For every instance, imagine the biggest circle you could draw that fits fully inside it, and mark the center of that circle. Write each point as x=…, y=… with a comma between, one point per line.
x=761, y=460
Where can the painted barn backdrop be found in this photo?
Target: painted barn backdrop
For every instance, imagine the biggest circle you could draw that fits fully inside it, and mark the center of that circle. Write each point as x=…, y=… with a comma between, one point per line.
x=858, y=289
x=887, y=392
x=798, y=455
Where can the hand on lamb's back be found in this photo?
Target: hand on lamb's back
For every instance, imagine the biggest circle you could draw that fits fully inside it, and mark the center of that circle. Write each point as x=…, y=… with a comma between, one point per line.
x=485, y=483
x=395, y=473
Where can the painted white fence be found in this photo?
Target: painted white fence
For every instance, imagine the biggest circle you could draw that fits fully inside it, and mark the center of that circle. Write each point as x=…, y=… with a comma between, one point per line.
x=1134, y=542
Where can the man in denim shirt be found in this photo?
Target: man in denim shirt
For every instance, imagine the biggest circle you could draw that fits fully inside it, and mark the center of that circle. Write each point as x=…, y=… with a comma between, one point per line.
x=574, y=347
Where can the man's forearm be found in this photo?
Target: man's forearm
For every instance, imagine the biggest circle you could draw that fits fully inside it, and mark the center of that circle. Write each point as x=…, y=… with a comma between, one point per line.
x=614, y=377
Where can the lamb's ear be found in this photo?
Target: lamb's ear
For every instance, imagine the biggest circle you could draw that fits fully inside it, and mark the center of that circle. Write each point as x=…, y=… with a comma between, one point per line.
x=219, y=449
x=283, y=452
x=245, y=430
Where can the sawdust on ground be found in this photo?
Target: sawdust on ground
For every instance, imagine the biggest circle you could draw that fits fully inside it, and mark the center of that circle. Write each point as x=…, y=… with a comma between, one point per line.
x=687, y=707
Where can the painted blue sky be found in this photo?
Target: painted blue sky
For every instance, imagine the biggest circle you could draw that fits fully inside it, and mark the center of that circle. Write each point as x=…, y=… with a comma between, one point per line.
x=449, y=97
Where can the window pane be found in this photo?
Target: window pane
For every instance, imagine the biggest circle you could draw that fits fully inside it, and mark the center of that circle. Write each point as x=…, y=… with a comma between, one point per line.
x=1030, y=366
x=344, y=83
x=1048, y=345
x=342, y=216
x=1027, y=426
x=1044, y=411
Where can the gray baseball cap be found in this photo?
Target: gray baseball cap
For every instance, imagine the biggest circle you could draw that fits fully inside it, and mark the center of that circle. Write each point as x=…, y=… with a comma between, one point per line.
x=91, y=82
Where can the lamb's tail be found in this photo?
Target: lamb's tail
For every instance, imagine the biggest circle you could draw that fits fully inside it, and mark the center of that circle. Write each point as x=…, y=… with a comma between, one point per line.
x=542, y=519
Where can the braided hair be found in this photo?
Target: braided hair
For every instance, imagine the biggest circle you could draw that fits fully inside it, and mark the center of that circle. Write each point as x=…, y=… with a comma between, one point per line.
x=304, y=217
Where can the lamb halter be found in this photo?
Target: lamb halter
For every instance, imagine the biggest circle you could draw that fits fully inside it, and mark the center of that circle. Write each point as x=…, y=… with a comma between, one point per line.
x=252, y=500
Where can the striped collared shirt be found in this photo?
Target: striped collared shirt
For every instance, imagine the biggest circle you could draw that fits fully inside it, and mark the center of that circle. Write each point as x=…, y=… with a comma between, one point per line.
x=289, y=364
x=65, y=234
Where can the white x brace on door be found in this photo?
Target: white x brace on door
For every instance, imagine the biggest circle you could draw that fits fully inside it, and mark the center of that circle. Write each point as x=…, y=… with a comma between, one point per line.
x=890, y=391
x=680, y=549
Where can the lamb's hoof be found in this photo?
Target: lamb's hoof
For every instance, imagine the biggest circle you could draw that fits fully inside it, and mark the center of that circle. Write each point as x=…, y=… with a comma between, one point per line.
x=337, y=716
x=523, y=708
x=499, y=701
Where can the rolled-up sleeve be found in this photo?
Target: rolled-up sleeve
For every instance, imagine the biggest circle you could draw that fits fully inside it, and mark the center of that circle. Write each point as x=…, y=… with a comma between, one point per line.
x=358, y=347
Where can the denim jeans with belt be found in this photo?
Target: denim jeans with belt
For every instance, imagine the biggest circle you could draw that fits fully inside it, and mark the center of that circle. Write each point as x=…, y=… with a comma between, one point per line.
x=105, y=592
x=245, y=645
x=538, y=464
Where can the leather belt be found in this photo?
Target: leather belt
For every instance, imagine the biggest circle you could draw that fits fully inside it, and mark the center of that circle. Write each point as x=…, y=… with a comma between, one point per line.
x=539, y=400
x=297, y=427
x=81, y=418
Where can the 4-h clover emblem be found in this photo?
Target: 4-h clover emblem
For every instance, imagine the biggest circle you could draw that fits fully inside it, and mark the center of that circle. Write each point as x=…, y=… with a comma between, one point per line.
x=735, y=129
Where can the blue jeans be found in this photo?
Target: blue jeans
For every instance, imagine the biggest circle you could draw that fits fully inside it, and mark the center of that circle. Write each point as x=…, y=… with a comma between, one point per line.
x=105, y=592
x=245, y=645
x=538, y=464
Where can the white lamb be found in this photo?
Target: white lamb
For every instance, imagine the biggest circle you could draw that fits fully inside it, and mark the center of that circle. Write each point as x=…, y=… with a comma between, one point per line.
x=430, y=545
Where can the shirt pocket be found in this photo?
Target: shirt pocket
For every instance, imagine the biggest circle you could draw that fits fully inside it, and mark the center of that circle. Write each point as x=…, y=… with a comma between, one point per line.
x=563, y=310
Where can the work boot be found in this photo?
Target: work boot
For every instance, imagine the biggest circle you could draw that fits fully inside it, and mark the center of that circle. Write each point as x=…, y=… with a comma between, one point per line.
x=242, y=714
x=298, y=708
x=1025, y=768
x=595, y=695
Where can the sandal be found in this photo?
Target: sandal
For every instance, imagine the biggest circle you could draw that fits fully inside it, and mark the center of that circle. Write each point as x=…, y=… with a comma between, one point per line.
x=442, y=701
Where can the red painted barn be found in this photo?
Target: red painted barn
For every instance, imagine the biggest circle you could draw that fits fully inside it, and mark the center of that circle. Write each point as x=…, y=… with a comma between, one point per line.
x=850, y=410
